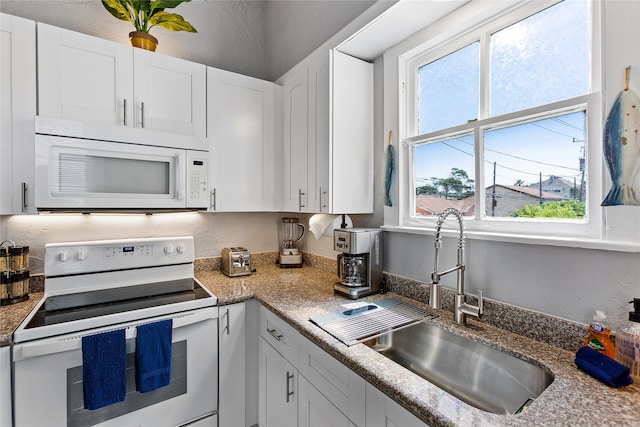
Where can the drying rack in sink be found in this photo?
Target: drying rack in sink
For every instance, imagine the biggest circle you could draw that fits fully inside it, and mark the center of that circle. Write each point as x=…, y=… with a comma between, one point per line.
x=359, y=322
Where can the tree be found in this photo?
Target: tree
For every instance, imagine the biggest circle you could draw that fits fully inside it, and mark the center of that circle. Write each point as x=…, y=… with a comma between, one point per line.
x=561, y=209
x=427, y=189
x=457, y=185
x=519, y=183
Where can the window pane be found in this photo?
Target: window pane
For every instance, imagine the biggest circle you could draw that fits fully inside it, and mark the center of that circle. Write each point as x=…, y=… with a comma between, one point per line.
x=444, y=172
x=449, y=90
x=542, y=59
x=538, y=168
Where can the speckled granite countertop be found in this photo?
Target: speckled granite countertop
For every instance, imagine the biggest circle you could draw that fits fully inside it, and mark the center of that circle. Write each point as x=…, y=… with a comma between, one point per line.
x=574, y=398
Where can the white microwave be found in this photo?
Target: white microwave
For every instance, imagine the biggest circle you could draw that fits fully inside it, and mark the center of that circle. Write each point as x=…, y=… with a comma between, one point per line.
x=80, y=174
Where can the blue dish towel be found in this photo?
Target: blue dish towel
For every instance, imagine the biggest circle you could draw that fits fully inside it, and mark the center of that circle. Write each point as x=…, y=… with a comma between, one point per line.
x=603, y=368
x=104, y=369
x=153, y=355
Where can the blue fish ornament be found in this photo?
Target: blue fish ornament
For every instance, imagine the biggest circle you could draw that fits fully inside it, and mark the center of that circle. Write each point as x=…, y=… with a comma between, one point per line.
x=389, y=173
x=621, y=147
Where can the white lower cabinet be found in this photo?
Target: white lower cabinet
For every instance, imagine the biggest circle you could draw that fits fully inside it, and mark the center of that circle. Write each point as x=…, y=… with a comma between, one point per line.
x=277, y=371
x=315, y=410
x=382, y=411
x=299, y=384
x=278, y=388
x=232, y=366
x=5, y=386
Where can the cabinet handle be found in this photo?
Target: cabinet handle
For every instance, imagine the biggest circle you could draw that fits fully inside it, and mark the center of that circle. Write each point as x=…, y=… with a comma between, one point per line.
x=323, y=196
x=289, y=390
x=124, y=109
x=24, y=196
x=213, y=199
x=275, y=334
x=300, y=194
x=228, y=327
x=142, y=114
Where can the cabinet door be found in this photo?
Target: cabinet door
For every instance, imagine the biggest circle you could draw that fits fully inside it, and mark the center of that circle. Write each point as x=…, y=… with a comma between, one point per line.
x=382, y=411
x=240, y=119
x=5, y=385
x=231, y=342
x=315, y=410
x=319, y=137
x=295, y=143
x=18, y=98
x=277, y=389
x=170, y=94
x=84, y=78
x=352, y=135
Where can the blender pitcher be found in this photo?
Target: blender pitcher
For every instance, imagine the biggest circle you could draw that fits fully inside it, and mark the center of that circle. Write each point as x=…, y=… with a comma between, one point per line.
x=291, y=233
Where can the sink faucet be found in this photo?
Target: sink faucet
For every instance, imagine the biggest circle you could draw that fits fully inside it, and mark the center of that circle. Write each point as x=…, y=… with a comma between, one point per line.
x=461, y=309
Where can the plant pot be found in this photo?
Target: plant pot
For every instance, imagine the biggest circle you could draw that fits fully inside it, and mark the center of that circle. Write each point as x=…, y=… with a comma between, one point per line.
x=143, y=40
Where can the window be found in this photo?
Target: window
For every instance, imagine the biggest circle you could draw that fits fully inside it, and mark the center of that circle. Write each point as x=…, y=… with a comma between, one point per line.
x=497, y=120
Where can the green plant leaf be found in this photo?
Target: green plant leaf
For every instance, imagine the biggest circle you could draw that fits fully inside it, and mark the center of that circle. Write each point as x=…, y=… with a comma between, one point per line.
x=168, y=4
x=118, y=9
x=171, y=21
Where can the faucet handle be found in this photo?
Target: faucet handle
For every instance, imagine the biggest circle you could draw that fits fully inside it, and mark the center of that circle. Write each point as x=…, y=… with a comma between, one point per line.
x=480, y=303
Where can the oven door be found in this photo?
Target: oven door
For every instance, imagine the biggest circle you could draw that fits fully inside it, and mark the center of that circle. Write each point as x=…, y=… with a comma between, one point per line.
x=48, y=379
x=78, y=174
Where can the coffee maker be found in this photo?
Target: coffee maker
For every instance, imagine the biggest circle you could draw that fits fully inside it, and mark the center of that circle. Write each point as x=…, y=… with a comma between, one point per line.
x=360, y=261
x=291, y=231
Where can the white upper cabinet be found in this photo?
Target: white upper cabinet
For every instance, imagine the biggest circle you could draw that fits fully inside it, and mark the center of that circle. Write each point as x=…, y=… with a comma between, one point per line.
x=328, y=135
x=351, y=136
x=18, y=108
x=170, y=94
x=240, y=117
x=88, y=79
x=295, y=148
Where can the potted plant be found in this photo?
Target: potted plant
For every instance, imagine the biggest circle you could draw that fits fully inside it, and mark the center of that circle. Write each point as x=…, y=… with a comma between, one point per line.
x=145, y=14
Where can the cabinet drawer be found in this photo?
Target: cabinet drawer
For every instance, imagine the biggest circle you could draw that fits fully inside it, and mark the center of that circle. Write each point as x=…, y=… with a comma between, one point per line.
x=341, y=386
x=282, y=336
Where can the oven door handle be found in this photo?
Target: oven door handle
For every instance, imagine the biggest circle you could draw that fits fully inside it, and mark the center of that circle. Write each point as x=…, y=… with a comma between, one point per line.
x=64, y=343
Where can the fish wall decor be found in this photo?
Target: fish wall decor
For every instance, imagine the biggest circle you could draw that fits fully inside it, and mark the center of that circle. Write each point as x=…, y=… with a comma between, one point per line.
x=389, y=172
x=621, y=147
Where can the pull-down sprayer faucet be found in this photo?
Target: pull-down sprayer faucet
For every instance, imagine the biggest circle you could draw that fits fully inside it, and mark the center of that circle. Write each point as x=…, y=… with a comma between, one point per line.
x=461, y=308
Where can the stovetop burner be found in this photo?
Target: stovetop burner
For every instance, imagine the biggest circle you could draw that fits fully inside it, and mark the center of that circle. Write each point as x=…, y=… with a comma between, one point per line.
x=44, y=316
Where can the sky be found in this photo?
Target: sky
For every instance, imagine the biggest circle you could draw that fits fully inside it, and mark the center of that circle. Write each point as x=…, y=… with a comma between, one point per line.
x=542, y=59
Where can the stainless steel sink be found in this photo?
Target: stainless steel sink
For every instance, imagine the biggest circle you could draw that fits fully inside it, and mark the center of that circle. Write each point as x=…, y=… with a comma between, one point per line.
x=475, y=373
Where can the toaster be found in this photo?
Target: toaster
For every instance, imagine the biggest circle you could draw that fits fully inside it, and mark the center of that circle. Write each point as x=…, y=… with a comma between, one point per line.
x=236, y=261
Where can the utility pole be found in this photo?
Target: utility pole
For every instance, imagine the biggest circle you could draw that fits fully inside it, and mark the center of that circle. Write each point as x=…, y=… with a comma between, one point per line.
x=494, y=202
x=540, y=187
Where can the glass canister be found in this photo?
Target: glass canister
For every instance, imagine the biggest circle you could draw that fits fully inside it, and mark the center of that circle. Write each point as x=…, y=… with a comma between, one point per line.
x=4, y=287
x=19, y=257
x=4, y=260
x=14, y=276
x=17, y=286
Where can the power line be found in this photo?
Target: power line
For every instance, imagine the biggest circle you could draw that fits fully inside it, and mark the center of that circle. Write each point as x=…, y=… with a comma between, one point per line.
x=514, y=156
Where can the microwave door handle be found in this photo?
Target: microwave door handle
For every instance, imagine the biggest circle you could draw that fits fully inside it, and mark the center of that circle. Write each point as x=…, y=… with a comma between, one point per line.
x=180, y=176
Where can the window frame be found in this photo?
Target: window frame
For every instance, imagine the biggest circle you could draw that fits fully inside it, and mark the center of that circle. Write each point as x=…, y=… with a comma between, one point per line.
x=412, y=55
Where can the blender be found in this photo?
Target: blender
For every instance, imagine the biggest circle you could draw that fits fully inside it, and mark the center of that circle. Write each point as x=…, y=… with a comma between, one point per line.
x=291, y=231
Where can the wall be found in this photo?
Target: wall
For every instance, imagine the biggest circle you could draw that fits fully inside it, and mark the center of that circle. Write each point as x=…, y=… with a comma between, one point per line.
x=293, y=29
x=211, y=231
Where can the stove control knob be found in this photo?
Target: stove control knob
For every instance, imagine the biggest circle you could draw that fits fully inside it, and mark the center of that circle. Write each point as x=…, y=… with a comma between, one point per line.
x=180, y=248
x=81, y=255
x=168, y=249
x=64, y=256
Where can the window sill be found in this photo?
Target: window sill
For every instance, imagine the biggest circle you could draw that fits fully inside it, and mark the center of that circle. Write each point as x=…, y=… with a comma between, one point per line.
x=569, y=242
